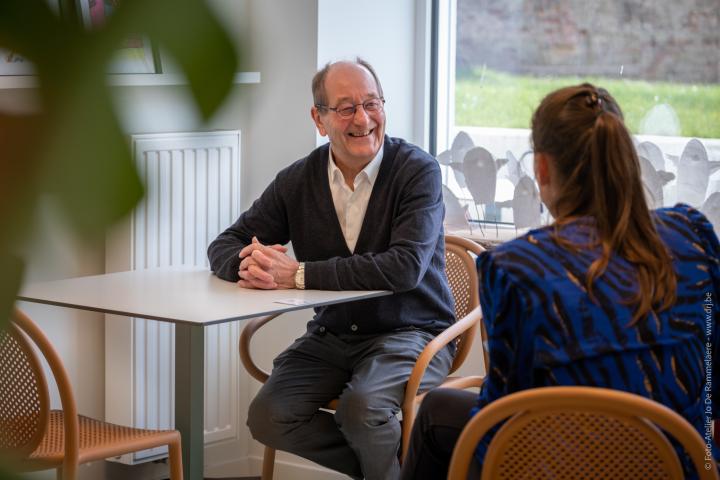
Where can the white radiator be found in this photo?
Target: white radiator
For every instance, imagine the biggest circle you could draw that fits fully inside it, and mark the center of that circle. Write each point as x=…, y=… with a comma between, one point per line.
x=192, y=185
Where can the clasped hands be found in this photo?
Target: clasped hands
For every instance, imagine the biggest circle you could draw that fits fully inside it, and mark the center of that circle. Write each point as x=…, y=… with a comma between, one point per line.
x=266, y=267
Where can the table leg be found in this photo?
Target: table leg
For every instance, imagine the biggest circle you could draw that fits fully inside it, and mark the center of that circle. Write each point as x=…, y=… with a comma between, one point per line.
x=189, y=396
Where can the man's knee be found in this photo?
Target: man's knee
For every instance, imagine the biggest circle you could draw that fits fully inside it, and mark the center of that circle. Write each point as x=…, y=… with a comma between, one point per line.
x=358, y=411
x=258, y=415
x=268, y=418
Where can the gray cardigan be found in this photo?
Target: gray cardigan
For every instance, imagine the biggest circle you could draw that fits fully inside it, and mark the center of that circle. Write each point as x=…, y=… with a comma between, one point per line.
x=400, y=246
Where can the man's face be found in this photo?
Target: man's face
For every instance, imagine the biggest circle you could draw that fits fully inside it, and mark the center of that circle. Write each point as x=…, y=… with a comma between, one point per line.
x=355, y=140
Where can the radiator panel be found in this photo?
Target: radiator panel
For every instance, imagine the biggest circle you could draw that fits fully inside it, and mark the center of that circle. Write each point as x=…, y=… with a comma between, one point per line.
x=192, y=194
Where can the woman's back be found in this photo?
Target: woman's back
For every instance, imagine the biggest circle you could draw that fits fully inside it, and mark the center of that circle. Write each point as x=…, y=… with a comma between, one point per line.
x=545, y=328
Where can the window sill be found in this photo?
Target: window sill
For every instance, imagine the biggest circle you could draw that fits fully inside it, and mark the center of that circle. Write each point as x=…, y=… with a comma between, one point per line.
x=128, y=80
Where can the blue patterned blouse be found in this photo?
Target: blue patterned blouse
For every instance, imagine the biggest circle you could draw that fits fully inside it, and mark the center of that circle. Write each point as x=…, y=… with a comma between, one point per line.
x=544, y=330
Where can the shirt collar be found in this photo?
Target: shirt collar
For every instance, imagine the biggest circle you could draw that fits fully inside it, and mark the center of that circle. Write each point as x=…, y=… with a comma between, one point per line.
x=370, y=171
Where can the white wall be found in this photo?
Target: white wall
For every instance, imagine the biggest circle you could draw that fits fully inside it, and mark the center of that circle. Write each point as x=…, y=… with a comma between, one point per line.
x=384, y=34
x=284, y=41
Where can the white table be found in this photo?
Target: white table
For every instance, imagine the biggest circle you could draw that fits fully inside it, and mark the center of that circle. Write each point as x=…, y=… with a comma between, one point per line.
x=191, y=298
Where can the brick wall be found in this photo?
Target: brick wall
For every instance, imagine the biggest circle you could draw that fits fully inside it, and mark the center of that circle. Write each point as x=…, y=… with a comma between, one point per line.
x=660, y=40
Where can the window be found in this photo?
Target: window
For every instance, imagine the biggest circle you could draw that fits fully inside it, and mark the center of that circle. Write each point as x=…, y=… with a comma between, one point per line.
x=497, y=60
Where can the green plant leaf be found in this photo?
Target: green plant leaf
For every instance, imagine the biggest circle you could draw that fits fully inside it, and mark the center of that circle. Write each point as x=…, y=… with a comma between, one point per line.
x=19, y=170
x=75, y=149
x=11, y=267
x=88, y=160
x=189, y=31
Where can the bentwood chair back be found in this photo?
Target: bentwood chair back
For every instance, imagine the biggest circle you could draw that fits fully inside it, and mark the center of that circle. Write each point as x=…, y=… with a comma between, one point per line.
x=462, y=276
x=34, y=437
x=460, y=254
x=566, y=433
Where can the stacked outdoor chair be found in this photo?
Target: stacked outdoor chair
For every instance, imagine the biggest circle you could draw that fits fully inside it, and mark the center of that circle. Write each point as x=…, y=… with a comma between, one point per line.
x=34, y=437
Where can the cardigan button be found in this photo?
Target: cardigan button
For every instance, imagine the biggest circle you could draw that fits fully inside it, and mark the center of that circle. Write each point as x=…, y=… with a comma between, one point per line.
x=322, y=329
x=353, y=327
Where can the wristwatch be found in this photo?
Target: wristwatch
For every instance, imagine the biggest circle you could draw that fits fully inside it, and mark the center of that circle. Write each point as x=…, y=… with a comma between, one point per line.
x=300, y=277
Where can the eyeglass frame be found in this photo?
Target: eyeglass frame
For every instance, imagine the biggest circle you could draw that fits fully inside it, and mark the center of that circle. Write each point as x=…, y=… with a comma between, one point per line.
x=354, y=107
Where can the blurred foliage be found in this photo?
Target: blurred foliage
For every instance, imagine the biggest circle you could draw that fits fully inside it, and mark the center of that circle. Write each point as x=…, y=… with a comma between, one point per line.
x=74, y=150
x=489, y=98
x=6, y=475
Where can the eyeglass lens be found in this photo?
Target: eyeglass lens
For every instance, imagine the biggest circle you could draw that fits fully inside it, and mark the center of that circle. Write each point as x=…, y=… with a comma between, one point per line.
x=370, y=106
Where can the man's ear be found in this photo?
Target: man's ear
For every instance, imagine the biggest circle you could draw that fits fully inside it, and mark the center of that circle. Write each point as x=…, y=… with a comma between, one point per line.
x=315, y=114
x=542, y=168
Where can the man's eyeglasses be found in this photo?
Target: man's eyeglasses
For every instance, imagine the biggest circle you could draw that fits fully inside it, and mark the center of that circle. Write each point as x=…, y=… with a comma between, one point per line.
x=346, y=110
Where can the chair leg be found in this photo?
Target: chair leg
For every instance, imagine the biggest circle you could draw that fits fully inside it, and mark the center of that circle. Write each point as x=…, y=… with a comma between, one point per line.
x=58, y=473
x=268, y=463
x=67, y=472
x=176, y=470
x=406, y=430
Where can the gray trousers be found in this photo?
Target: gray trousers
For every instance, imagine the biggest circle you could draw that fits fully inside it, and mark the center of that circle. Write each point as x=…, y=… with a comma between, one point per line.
x=367, y=373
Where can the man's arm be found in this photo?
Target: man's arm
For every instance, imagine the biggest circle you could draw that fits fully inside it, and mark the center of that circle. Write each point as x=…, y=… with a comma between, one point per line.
x=265, y=219
x=413, y=239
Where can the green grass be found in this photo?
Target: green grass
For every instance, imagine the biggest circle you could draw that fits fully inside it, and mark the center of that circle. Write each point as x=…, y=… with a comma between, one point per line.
x=487, y=98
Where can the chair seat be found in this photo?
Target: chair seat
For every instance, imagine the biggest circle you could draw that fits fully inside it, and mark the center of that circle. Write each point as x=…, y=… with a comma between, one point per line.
x=97, y=440
x=61, y=439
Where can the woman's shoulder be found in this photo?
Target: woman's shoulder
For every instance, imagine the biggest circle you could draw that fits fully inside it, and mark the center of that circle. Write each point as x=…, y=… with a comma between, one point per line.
x=528, y=254
x=684, y=226
x=541, y=241
x=530, y=239
x=681, y=213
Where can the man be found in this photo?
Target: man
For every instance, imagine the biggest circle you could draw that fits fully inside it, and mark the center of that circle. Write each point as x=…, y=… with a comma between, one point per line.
x=363, y=213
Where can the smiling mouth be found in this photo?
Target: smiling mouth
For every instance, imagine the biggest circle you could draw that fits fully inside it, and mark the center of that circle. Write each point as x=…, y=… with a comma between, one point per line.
x=361, y=134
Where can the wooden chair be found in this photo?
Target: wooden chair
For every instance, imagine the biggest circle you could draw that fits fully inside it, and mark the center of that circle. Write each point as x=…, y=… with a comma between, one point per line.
x=462, y=277
x=33, y=437
x=579, y=432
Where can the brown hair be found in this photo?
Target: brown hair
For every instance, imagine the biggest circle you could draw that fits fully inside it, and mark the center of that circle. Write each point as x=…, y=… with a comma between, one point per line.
x=318, y=81
x=581, y=128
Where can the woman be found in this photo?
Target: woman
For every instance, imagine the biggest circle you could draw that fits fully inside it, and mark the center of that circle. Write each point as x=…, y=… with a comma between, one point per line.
x=609, y=295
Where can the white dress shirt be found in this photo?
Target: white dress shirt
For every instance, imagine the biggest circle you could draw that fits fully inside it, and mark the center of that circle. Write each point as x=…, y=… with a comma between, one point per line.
x=350, y=205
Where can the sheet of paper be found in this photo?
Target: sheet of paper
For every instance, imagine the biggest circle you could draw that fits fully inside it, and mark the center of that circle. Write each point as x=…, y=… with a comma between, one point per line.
x=293, y=301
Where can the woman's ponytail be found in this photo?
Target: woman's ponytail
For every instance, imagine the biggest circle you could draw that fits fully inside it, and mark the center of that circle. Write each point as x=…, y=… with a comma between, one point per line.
x=583, y=131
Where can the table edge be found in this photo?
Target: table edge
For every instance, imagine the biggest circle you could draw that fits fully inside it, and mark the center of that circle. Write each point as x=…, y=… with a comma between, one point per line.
x=371, y=294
